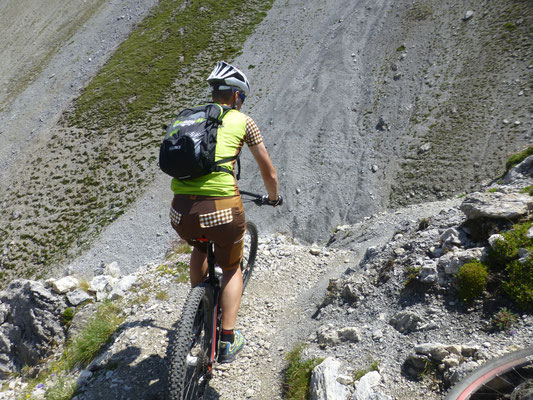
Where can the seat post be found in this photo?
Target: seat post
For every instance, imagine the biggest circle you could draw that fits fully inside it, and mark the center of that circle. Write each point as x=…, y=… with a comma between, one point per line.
x=211, y=264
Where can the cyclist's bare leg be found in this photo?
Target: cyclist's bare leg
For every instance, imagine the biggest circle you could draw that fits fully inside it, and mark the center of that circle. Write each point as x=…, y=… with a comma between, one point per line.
x=230, y=298
x=198, y=267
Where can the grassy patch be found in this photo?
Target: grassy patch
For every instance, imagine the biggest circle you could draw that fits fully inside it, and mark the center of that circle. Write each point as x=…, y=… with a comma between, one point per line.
x=162, y=295
x=63, y=389
x=177, y=269
x=297, y=376
x=170, y=39
x=518, y=158
x=78, y=353
x=83, y=349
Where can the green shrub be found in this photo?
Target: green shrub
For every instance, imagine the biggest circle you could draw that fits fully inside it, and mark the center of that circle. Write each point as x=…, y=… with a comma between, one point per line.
x=519, y=284
x=67, y=316
x=472, y=280
x=504, y=319
x=506, y=250
x=518, y=158
x=297, y=377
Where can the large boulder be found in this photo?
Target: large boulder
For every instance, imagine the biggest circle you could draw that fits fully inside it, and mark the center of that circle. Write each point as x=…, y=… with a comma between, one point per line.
x=31, y=325
x=509, y=206
x=452, y=261
x=405, y=322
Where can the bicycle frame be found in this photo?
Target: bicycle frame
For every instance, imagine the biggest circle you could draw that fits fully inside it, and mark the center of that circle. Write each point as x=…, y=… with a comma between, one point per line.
x=213, y=283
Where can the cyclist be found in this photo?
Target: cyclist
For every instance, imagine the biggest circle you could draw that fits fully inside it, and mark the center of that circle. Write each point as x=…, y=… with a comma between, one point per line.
x=210, y=207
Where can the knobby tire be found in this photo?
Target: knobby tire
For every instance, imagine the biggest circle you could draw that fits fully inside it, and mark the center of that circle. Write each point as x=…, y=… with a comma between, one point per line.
x=190, y=347
x=249, y=253
x=506, y=377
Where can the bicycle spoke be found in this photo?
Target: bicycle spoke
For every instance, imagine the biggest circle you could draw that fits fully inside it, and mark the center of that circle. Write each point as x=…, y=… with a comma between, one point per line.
x=509, y=377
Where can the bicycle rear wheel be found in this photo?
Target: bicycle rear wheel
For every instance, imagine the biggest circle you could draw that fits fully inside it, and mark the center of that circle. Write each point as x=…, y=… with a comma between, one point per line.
x=506, y=377
x=249, y=252
x=190, y=349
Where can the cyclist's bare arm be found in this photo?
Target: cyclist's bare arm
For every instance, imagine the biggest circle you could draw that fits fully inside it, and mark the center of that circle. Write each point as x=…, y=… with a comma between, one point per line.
x=268, y=172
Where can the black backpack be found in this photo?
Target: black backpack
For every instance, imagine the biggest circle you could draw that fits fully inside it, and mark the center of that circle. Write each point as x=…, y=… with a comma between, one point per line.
x=188, y=149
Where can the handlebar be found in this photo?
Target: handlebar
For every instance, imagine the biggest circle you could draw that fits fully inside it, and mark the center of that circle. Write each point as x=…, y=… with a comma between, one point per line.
x=261, y=200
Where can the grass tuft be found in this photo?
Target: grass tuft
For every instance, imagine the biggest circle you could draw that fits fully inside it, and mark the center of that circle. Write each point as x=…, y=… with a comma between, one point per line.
x=297, y=377
x=373, y=366
x=518, y=158
x=78, y=352
x=83, y=349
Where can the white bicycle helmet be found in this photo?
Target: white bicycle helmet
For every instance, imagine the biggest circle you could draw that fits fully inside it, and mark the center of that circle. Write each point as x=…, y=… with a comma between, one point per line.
x=229, y=77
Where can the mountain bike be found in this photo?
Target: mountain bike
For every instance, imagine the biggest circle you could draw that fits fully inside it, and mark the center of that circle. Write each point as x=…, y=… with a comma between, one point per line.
x=193, y=349
x=506, y=377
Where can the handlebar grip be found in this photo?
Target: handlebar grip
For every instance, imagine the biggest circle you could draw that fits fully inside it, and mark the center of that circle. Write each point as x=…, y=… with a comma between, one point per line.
x=267, y=201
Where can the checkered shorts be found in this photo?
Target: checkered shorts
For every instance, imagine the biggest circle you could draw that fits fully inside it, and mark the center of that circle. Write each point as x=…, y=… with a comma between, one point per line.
x=219, y=219
x=215, y=218
x=175, y=217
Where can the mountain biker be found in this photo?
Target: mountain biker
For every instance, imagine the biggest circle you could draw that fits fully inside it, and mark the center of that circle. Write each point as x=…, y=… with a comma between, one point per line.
x=210, y=207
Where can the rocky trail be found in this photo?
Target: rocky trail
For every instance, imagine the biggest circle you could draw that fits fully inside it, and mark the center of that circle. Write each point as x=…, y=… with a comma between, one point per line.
x=288, y=285
x=348, y=301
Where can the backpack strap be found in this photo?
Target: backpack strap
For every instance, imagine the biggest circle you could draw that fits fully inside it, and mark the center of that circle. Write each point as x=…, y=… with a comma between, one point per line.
x=218, y=168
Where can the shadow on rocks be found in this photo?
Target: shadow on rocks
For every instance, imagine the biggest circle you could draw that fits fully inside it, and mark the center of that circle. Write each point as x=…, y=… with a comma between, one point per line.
x=131, y=374
x=123, y=378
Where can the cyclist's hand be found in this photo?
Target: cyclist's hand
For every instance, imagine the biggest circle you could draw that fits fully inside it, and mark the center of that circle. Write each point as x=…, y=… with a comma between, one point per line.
x=272, y=203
